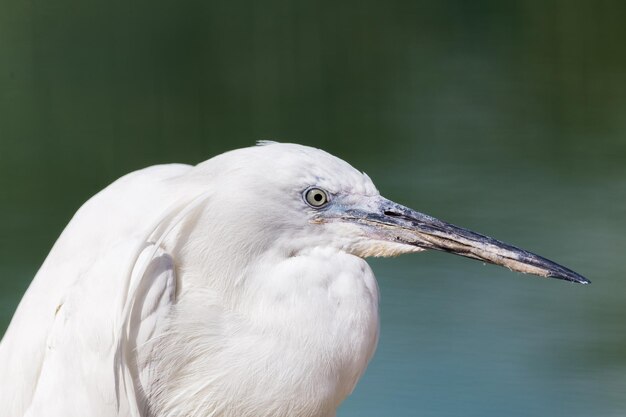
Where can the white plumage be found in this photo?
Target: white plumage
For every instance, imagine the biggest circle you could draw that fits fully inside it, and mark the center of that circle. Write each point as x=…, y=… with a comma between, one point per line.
x=218, y=290
x=258, y=312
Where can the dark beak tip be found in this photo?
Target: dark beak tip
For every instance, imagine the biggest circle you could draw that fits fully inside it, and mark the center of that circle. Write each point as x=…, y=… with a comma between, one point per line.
x=578, y=279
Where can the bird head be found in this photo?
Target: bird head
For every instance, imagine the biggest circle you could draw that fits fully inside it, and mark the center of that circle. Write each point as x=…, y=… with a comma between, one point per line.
x=299, y=199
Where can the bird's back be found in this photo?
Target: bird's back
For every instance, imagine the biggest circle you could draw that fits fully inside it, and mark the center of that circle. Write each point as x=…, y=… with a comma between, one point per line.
x=63, y=333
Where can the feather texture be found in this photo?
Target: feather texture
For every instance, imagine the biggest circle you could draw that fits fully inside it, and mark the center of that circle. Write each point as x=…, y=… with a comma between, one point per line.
x=198, y=291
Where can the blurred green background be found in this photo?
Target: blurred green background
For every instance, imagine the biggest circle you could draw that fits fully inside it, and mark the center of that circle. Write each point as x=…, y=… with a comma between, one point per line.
x=508, y=118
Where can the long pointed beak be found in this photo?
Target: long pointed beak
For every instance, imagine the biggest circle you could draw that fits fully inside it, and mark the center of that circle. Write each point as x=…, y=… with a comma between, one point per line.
x=394, y=222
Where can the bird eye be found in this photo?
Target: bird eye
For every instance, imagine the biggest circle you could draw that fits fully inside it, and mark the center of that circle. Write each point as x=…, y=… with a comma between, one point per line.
x=316, y=197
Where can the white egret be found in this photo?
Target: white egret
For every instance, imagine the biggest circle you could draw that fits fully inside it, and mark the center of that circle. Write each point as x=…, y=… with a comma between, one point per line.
x=235, y=288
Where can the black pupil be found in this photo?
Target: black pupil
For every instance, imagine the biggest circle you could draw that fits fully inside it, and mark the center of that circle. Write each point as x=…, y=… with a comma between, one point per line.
x=317, y=197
